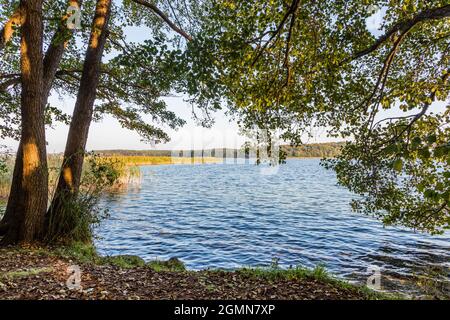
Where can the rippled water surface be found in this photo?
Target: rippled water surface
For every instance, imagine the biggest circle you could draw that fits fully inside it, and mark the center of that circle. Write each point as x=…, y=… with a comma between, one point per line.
x=228, y=216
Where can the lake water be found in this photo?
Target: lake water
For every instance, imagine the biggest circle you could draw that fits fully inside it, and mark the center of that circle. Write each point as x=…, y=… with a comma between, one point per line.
x=234, y=215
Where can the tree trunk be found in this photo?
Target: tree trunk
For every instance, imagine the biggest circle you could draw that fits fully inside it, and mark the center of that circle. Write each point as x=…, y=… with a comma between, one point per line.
x=55, y=52
x=51, y=62
x=70, y=179
x=30, y=179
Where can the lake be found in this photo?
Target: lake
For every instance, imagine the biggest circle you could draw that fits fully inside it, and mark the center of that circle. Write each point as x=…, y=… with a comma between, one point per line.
x=234, y=215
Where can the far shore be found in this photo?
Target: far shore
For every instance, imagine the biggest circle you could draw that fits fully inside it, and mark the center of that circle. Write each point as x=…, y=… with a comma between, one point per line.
x=209, y=160
x=128, y=161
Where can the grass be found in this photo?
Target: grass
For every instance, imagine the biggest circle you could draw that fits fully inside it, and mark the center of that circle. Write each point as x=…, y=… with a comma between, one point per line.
x=86, y=253
x=25, y=273
x=54, y=165
x=319, y=273
x=170, y=265
x=78, y=251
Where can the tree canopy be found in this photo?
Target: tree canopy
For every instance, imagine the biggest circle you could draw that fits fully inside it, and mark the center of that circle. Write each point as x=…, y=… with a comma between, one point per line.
x=134, y=76
x=291, y=65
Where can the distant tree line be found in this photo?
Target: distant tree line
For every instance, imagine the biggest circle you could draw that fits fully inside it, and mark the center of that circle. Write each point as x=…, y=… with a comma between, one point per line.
x=316, y=150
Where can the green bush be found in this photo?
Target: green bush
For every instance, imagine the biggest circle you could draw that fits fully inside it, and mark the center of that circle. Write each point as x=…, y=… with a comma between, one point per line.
x=77, y=214
x=5, y=174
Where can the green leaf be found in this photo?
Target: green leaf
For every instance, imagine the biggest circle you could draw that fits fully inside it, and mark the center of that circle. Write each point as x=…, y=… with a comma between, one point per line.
x=432, y=138
x=425, y=153
x=398, y=165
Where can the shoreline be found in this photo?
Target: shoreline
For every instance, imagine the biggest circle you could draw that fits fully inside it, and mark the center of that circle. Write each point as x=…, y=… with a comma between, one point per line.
x=214, y=161
x=42, y=273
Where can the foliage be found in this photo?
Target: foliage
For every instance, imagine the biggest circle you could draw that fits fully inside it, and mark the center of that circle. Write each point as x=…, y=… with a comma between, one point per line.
x=5, y=173
x=319, y=150
x=403, y=182
x=101, y=172
x=4, y=163
x=292, y=66
x=80, y=214
x=134, y=76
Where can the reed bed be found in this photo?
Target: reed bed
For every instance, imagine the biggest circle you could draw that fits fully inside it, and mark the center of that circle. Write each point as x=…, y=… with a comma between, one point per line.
x=128, y=166
x=5, y=179
x=151, y=160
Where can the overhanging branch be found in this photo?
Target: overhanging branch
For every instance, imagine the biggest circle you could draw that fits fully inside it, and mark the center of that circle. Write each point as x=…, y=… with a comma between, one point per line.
x=430, y=14
x=165, y=18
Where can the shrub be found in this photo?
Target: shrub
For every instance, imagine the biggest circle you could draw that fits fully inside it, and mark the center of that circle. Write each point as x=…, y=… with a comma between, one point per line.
x=76, y=215
x=5, y=173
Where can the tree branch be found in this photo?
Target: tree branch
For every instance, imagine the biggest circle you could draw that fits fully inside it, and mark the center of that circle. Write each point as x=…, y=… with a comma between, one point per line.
x=293, y=7
x=382, y=77
x=5, y=85
x=165, y=18
x=416, y=117
x=430, y=14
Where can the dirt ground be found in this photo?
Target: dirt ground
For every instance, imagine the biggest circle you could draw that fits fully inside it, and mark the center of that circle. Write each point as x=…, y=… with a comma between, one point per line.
x=38, y=275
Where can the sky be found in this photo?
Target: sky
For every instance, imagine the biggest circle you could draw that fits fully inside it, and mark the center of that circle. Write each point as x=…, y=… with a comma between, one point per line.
x=108, y=134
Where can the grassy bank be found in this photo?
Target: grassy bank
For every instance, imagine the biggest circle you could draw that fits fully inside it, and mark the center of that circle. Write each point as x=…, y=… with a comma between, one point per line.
x=42, y=273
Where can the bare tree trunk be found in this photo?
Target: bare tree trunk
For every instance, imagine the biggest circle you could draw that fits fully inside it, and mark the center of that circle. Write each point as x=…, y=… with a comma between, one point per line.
x=70, y=179
x=30, y=180
x=51, y=62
